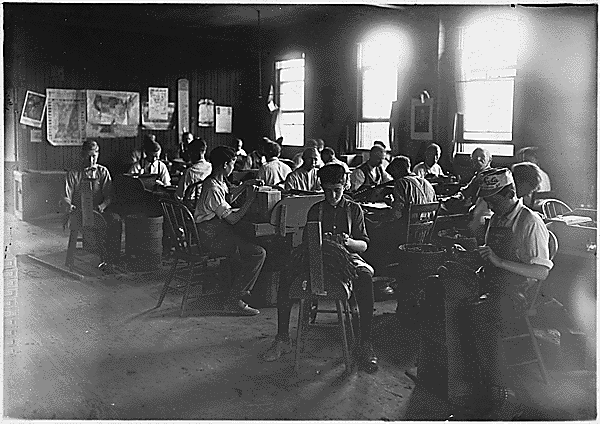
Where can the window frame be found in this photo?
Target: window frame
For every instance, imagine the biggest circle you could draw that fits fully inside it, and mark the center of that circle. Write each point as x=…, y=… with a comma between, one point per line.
x=279, y=65
x=502, y=142
x=361, y=119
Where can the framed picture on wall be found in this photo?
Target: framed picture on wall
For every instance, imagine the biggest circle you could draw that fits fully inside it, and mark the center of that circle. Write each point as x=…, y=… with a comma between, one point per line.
x=34, y=107
x=421, y=119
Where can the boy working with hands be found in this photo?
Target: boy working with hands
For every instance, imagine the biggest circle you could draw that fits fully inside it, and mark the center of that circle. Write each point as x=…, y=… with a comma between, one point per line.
x=342, y=221
x=215, y=219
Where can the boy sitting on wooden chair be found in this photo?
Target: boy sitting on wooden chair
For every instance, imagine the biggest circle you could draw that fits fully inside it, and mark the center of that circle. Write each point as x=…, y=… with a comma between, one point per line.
x=342, y=220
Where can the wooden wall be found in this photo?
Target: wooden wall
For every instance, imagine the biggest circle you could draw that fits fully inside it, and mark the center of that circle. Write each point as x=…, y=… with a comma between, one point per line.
x=331, y=70
x=59, y=56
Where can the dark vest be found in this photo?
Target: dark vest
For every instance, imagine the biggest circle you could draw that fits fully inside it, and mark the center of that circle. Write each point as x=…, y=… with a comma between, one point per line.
x=369, y=181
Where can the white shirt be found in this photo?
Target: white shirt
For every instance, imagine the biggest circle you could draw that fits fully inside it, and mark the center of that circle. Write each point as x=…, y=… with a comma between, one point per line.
x=529, y=232
x=421, y=169
x=197, y=172
x=357, y=178
x=301, y=179
x=156, y=167
x=273, y=172
x=545, y=183
x=213, y=201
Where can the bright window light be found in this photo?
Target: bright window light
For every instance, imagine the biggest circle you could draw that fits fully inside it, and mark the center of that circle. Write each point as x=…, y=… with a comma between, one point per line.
x=485, y=81
x=290, y=99
x=378, y=58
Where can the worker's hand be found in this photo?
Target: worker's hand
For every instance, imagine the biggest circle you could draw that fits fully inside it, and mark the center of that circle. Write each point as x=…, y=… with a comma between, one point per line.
x=255, y=182
x=251, y=192
x=160, y=183
x=101, y=208
x=69, y=208
x=488, y=254
x=344, y=239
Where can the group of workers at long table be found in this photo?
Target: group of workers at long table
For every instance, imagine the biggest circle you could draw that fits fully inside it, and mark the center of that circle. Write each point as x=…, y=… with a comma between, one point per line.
x=514, y=246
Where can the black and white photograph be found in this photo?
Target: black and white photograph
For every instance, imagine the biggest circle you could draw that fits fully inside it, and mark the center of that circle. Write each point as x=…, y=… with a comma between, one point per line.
x=305, y=212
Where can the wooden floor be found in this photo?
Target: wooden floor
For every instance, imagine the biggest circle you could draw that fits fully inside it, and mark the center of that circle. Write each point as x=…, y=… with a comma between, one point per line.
x=95, y=349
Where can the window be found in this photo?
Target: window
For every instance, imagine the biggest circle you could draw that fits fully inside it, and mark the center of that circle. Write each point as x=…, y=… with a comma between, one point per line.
x=485, y=82
x=377, y=88
x=290, y=98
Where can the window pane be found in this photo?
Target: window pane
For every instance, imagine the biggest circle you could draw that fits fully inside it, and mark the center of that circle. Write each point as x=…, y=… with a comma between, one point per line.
x=292, y=63
x=379, y=55
x=368, y=132
x=292, y=118
x=379, y=91
x=291, y=95
x=487, y=105
x=496, y=149
x=293, y=135
x=291, y=74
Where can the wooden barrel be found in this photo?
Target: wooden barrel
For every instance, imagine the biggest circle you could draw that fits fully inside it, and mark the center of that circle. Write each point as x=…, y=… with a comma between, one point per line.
x=143, y=242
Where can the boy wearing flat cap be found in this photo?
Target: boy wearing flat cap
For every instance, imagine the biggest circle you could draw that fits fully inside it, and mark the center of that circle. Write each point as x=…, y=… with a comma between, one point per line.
x=516, y=252
x=342, y=220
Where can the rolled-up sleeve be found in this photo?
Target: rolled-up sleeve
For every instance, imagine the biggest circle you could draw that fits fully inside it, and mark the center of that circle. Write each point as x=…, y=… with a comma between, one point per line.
x=359, y=229
x=70, y=184
x=357, y=179
x=534, y=247
x=215, y=202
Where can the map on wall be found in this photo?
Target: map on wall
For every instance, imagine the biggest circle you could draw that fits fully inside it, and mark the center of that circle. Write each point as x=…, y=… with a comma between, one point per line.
x=65, y=117
x=112, y=114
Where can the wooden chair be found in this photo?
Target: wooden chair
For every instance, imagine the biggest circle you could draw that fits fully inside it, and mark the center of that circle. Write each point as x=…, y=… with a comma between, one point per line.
x=289, y=215
x=91, y=237
x=534, y=301
x=191, y=195
x=421, y=222
x=184, y=234
x=551, y=208
x=316, y=290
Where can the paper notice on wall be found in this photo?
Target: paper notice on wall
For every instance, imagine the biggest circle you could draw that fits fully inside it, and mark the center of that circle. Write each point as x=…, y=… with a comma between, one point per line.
x=183, y=105
x=158, y=103
x=223, y=119
x=157, y=124
x=206, y=113
x=33, y=109
x=35, y=136
x=65, y=121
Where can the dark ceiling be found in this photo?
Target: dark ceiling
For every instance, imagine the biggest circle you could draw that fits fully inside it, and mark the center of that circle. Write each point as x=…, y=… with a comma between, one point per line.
x=222, y=20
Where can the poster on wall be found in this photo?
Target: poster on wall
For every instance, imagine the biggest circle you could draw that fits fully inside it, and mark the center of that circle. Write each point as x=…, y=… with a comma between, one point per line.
x=112, y=114
x=65, y=120
x=421, y=119
x=33, y=109
x=223, y=118
x=183, y=105
x=158, y=103
x=35, y=136
x=157, y=124
x=206, y=113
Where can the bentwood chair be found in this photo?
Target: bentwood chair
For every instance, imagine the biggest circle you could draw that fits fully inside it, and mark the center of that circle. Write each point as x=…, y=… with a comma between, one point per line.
x=551, y=208
x=421, y=222
x=192, y=194
x=534, y=300
x=317, y=289
x=214, y=272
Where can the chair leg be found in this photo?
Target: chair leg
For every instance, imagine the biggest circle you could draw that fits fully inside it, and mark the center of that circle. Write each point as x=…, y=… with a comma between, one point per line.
x=71, y=247
x=299, y=335
x=342, y=324
x=348, y=319
x=538, y=352
x=167, y=283
x=186, y=293
x=355, y=322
